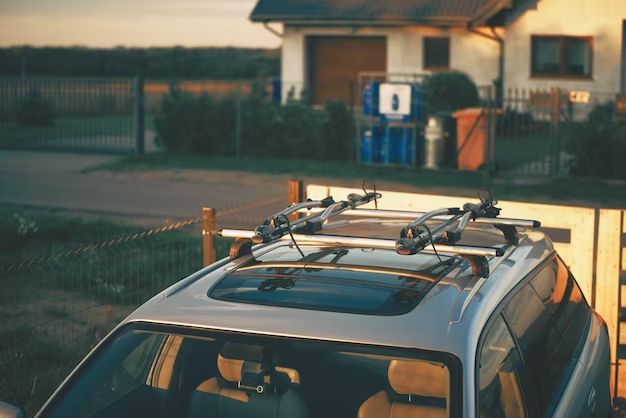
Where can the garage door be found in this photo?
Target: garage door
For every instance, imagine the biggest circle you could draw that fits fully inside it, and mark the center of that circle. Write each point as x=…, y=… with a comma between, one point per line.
x=335, y=62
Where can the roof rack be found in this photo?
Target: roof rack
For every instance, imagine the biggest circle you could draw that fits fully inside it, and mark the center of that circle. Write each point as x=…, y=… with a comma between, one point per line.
x=278, y=225
x=415, y=237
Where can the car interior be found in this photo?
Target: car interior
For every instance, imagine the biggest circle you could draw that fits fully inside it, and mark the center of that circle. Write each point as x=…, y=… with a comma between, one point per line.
x=248, y=380
x=167, y=375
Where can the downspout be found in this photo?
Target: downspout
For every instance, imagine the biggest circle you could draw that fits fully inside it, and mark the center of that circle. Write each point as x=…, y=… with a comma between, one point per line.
x=496, y=38
x=267, y=26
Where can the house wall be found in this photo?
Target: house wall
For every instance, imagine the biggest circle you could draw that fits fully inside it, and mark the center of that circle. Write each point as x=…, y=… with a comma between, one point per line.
x=601, y=19
x=471, y=53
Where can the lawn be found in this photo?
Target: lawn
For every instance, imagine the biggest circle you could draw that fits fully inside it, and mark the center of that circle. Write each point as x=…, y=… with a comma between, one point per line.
x=85, y=132
x=61, y=302
x=520, y=150
x=575, y=191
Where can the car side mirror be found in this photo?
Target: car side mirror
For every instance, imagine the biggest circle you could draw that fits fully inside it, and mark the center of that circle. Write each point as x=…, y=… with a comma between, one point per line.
x=10, y=411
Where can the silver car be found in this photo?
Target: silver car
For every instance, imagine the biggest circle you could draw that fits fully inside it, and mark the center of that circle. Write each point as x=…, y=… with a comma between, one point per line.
x=465, y=315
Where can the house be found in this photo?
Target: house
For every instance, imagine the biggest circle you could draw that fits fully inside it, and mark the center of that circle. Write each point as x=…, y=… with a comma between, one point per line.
x=573, y=44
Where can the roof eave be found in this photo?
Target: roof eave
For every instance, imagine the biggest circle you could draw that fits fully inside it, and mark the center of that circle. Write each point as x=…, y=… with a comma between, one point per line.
x=489, y=10
x=387, y=21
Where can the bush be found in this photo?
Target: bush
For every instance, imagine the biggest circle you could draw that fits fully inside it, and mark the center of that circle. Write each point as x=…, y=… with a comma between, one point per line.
x=34, y=110
x=186, y=123
x=599, y=145
x=449, y=91
x=340, y=132
x=514, y=123
x=199, y=124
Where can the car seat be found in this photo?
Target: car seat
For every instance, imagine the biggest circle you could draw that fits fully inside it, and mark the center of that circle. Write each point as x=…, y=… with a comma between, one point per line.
x=417, y=389
x=245, y=389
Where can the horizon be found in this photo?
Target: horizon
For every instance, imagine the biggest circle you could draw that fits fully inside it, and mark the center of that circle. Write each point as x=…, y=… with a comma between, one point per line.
x=109, y=24
x=137, y=47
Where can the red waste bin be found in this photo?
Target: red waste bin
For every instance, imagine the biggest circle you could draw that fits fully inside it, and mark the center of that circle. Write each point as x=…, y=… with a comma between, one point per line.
x=471, y=136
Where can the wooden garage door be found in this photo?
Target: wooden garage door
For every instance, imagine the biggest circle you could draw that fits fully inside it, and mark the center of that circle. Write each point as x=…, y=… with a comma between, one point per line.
x=335, y=62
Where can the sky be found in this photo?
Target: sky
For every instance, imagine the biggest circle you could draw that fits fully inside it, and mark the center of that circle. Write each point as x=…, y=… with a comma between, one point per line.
x=110, y=23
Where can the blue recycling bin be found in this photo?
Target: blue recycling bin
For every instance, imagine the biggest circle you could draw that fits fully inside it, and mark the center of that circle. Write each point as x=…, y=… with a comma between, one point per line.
x=404, y=146
x=370, y=146
x=370, y=98
x=389, y=145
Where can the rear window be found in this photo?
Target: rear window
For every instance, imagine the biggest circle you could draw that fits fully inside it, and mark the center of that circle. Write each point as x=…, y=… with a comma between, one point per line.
x=549, y=318
x=336, y=280
x=158, y=371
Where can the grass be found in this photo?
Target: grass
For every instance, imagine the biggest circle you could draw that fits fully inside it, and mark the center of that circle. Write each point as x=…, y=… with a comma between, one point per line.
x=104, y=133
x=575, y=191
x=55, y=311
x=71, y=127
x=515, y=151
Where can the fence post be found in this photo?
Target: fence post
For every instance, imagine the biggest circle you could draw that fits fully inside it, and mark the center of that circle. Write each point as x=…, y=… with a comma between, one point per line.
x=238, y=123
x=140, y=115
x=608, y=279
x=295, y=195
x=209, y=226
x=491, y=131
x=555, y=119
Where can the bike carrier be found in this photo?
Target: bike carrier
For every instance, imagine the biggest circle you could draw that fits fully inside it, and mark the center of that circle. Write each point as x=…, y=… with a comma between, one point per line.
x=417, y=236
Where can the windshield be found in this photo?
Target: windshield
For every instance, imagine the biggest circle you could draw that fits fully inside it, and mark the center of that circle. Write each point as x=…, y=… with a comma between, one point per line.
x=172, y=372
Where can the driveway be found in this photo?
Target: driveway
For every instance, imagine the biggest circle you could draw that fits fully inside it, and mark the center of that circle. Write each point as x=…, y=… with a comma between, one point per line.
x=57, y=181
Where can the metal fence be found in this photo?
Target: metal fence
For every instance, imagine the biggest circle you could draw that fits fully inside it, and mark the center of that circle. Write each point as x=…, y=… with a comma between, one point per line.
x=95, y=115
x=69, y=114
x=58, y=301
x=57, y=306
x=534, y=130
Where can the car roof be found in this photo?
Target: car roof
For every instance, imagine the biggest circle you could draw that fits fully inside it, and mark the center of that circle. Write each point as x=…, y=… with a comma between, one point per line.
x=448, y=317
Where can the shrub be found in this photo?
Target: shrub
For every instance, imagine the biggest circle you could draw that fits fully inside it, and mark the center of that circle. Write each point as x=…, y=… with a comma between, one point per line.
x=340, y=132
x=188, y=123
x=34, y=110
x=599, y=145
x=449, y=91
x=514, y=123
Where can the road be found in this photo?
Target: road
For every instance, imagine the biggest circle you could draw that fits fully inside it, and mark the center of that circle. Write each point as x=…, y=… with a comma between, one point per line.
x=58, y=181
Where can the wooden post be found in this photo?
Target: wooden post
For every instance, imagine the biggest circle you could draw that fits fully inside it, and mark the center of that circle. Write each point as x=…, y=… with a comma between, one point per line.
x=608, y=283
x=295, y=195
x=209, y=227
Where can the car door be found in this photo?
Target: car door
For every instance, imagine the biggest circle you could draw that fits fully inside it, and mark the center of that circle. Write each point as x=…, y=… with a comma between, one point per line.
x=500, y=393
x=549, y=320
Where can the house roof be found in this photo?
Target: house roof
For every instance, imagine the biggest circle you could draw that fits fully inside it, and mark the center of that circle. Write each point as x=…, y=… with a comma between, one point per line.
x=447, y=12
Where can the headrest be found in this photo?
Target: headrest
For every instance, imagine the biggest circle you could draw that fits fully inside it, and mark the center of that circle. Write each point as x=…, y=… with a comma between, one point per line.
x=413, y=377
x=231, y=370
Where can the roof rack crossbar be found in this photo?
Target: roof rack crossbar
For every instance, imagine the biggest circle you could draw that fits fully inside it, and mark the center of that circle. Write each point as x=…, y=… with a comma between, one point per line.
x=379, y=243
x=415, y=237
x=406, y=215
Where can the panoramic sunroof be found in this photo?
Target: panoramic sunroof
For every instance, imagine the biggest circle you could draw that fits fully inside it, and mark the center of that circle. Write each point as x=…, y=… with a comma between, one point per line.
x=335, y=280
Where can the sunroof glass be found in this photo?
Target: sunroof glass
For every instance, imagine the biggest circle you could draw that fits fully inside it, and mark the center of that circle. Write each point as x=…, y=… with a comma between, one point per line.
x=331, y=287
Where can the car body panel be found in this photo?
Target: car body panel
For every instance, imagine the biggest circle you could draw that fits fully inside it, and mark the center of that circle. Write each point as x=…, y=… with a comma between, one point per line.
x=587, y=392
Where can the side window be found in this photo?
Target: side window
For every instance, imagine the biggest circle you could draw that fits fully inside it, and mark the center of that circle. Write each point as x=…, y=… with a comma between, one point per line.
x=548, y=318
x=500, y=394
x=564, y=304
